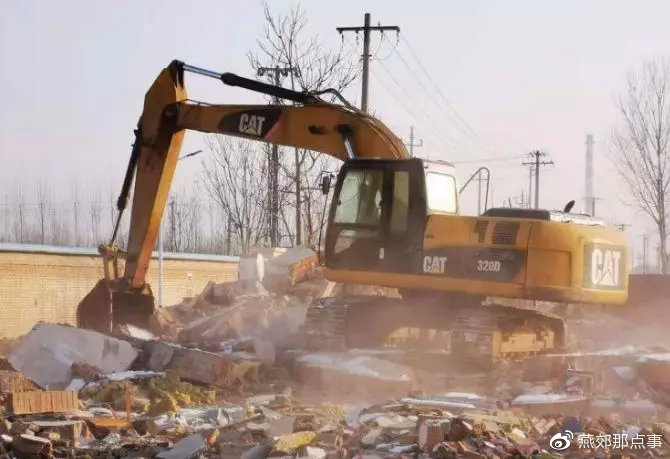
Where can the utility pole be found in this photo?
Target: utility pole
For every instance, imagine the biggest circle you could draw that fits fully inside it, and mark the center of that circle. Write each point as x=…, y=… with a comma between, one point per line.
x=411, y=143
x=537, y=163
x=276, y=72
x=366, y=29
x=530, y=186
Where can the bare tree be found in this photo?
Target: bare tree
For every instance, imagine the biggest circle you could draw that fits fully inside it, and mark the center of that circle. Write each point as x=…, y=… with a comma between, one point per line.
x=19, y=226
x=183, y=217
x=42, y=210
x=95, y=214
x=641, y=142
x=234, y=177
x=284, y=43
x=75, y=213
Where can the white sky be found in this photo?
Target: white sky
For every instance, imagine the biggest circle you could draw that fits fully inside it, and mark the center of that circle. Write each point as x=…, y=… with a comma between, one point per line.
x=524, y=75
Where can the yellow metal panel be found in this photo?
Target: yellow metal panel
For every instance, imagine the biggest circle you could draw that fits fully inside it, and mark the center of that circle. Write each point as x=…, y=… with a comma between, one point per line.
x=549, y=268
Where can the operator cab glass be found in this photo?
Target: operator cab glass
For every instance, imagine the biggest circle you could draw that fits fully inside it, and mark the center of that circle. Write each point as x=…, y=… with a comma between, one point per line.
x=379, y=211
x=441, y=187
x=360, y=198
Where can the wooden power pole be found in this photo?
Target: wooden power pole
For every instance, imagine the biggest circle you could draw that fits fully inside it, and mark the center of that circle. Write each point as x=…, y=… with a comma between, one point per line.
x=366, y=29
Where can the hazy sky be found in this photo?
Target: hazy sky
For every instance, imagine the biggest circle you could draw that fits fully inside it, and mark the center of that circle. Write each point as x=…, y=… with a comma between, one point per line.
x=524, y=75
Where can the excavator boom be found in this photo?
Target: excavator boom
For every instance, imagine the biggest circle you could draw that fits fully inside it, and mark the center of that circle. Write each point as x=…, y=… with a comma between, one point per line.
x=337, y=130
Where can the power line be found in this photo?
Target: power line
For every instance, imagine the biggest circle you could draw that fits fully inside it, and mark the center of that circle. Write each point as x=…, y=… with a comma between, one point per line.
x=436, y=132
x=490, y=159
x=410, y=112
x=403, y=103
x=366, y=29
x=390, y=53
x=441, y=107
x=437, y=88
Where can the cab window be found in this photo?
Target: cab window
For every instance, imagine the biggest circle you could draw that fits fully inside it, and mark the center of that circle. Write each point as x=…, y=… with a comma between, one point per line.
x=400, y=206
x=360, y=198
x=441, y=191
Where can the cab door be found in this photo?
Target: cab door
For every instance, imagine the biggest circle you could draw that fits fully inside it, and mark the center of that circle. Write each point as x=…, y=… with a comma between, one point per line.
x=377, y=216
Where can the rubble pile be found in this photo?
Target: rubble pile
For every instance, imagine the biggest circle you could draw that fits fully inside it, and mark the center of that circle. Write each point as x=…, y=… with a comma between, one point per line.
x=225, y=374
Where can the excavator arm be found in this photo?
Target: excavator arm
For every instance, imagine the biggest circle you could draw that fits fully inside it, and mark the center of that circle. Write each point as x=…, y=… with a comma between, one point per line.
x=311, y=123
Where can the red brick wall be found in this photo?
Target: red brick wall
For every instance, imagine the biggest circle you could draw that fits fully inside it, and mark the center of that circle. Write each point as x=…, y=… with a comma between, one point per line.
x=46, y=287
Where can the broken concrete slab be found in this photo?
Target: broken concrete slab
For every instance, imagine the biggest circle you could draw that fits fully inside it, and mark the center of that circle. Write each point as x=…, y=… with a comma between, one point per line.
x=133, y=375
x=281, y=426
x=278, y=268
x=655, y=370
x=70, y=430
x=202, y=366
x=354, y=374
x=295, y=265
x=31, y=446
x=47, y=352
x=259, y=451
x=186, y=448
x=437, y=403
x=134, y=332
x=226, y=293
x=85, y=371
x=540, y=404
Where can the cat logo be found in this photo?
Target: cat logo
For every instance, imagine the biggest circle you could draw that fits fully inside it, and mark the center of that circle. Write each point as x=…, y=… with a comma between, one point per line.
x=251, y=124
x=434, y=265
x=602, y=267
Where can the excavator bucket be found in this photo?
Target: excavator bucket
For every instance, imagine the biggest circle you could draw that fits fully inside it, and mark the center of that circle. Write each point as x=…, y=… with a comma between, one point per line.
x=103, y=309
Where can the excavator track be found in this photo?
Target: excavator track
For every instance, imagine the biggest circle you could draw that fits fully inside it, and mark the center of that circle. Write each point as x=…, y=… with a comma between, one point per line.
x=461, y=325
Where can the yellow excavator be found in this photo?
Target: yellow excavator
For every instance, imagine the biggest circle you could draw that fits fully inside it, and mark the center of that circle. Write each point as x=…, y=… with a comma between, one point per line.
x=394, y=221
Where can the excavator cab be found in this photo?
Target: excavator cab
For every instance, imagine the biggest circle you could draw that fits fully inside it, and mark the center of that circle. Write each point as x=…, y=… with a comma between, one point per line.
x=379, y=212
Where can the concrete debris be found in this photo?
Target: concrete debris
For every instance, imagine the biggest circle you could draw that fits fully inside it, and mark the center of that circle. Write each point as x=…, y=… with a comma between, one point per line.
x=225, y=374
x=186, y=448
x=27, y=445
x=203, y=366
x=354, y=374
x=278, y=269
x=134, y=375
x=47, y=352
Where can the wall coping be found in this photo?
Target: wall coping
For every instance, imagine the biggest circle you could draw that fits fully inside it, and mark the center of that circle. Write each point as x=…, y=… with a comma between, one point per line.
x=93, y=252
